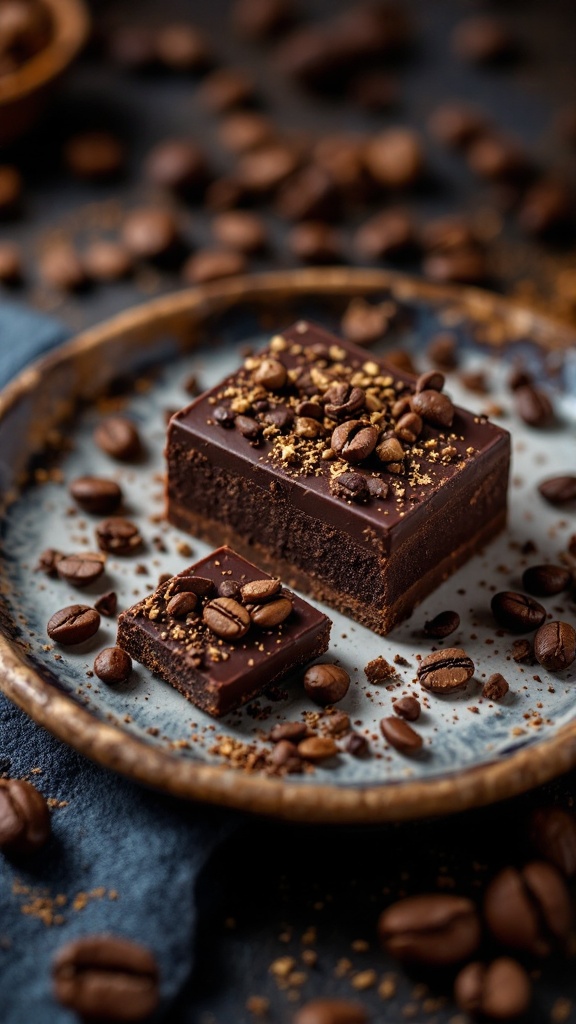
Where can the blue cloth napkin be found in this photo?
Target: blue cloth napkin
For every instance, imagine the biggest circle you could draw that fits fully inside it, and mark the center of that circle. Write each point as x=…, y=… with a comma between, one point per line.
x=122, y=859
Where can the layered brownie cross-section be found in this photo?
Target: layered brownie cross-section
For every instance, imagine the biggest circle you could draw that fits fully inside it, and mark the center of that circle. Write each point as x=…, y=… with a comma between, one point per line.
x=343, y=475
x=222, y=631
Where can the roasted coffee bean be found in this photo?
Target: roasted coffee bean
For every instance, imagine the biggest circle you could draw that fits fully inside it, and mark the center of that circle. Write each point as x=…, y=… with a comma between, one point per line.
x=284, y=753
x=317, y=748
x=94, y=156
x=271, y=374
x=118, y=536
x=350, y=487
x=495, y=688
x=227, y=618
x=48, y=562
x=212, y=265
x=73, y=624
x=400, y=735
x=81, y=569
x=326, y=683
x=434, y=407
x=533, y=406
x=395, y=158
x=445, y=671
x=182, y=604
x=150, y=233
x=364, y=323
x=24, y=817
x=546, y=207
x=281, y=417
x=107, y=604
x=433, y=380
x=292, y=731
x=553, y=834
x=61, y=267
x=529, y=908
x=272, y=613
x=248, y=427
x=437, y=930
x=229, y=588
x=357, y=745
x=500, y=991
x=96, y=494
x=331, y=1011
x=260, y=19
x=178, y=165
x=106, y=977
x=385, y=235
x=266, y=169
x=10, y=263
x=354, y=440
x=183, y=47
x=119, y=438
x=409, y=427
x=482, y=39
x=241, y=230
x=341, y=401
x=496, y=158
x=555, y=645
x=546, y=580
x=559, y=490
x=459, y=266
x=223, y=417
x=455, y=124
x=377, y=488
x=309, y=410
x=113, y=665
x=442, y=625
x=442, y=349
x=517, y=612
x=390, y=450
x=313, y=241
x=408, y=708
x=309, y=194
x=226, y=88
x=258, y=591
x=199, y=585
x=241, y=132
x=107, y=261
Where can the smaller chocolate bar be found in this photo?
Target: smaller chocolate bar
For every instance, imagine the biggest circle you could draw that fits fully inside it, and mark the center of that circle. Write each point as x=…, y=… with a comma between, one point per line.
x=222, y=631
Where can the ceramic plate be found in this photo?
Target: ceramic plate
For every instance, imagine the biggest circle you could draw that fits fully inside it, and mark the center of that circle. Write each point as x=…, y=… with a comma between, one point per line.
x=475, y=750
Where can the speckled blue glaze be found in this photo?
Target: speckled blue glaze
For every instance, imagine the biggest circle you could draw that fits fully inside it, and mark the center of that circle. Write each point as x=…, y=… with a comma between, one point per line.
x=459, y=731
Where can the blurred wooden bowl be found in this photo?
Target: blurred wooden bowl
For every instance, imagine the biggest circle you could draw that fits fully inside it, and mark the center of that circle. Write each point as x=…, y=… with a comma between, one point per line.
x=24, y=92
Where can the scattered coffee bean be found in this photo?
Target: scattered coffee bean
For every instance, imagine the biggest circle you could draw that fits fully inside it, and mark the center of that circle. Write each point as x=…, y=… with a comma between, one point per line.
x=183, y=48
x=482, y=39
x=386, y=234
x=260, y=19
x=517, y=612
x=364, y=323
x=182, y=604
x=81, y=569
x=24, y=817
x=400, y=735
x=107, y=604
x=437, y=930
x=285, y=754
x=95, y=494
x=331, y=1011
x=317, y=748
x=272, y=613
x=408, y=708
x=442, y=349
x=249, y=428
x=113, y=665
x=73, y=624
x=107, y=261
x=434, y=407
x=546, y=208
x=495, y=688
x=533, y=406
x=445, y=671
x=496, y=158
x=227, y=618
x=119, y=438
x=529, y=908
x=94, y=156
x=326, y=684
x=338, y=723
x=151, y=233
x=212, y=265
x=292, y=731
x=395, y=158
x=258, y=591
x=460, y=266
x=241, y=132
x=433, y=380
x=546, y=580
x=226, y=88
x=357, y=745
x=313, y=241
x=48, y=562
x=62, y=268
x=178, y=165
x=555, y=645
x=559, y=490
x=106, y=977
x=10, y=263
x=241, y=230
x=455, y=124
x=118, y=536
x=553, y=834
x=442, y=625
x=271, y=374
x=500, y=990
